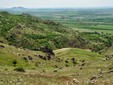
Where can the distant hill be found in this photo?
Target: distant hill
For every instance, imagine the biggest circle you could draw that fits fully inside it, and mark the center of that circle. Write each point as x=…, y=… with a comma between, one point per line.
x=15, y=9
x=18, y=9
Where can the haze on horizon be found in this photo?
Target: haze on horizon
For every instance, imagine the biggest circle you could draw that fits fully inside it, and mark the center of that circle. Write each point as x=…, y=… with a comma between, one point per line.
x=55, y=3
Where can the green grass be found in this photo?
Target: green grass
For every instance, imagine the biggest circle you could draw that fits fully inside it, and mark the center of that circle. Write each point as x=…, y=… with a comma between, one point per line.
x=9, y=53
x=75, y=52
x=44, y=74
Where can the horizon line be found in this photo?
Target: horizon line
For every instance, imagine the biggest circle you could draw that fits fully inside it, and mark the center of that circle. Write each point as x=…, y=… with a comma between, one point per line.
x=54, y=7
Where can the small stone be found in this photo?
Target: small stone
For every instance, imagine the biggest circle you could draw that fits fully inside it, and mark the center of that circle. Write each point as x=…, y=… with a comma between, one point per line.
x=76, y=81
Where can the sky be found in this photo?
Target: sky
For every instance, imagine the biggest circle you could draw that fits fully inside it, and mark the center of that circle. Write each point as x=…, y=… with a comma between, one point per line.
x=55, y=3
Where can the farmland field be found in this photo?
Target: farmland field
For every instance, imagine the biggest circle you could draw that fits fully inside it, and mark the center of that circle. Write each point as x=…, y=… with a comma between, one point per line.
x=100, y=20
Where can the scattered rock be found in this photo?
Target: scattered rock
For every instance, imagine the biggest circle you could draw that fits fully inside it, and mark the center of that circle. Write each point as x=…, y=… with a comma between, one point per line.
x=73, y=60
x=30, y=58
x=48, y=57
x=92, y=80
x=19, y=54
x=76, y=81
x=55, y=66
x=42, y=57
x=25, y=58
x=111, y=71
x=58, y=60
x=100, y=71
x=47, y=50
x=104, y=59
x=100, y=76
x=37, y=64
x=82, y=64
x=109, y=57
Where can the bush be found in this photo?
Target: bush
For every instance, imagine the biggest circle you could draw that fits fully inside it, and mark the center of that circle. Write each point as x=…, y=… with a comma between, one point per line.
x=14, y=62
x=20, y=69
x=67, y=65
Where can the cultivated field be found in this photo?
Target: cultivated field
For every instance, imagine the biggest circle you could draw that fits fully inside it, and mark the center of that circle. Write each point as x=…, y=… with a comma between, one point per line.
x=100, y=20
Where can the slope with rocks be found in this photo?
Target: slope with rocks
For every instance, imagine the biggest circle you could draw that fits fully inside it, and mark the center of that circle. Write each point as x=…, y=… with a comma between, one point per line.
x=31, y=32
x=67, y=64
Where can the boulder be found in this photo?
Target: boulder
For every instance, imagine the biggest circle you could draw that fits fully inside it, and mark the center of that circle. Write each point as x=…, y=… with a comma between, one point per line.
x=47, y=50
x=30, y=58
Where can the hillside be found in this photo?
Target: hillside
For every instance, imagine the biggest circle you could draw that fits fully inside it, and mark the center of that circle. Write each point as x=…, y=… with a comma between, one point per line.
x=30, y=32
x=41, y=52
x=66, y=63
x=68, y=66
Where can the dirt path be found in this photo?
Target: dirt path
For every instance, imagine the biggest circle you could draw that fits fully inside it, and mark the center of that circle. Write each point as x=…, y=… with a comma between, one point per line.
x=63, y=49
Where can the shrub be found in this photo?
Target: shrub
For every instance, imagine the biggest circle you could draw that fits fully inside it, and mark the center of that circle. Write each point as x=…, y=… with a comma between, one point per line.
x=75, y=62
x=14, y=62
x=20, y=69
x=67, y=65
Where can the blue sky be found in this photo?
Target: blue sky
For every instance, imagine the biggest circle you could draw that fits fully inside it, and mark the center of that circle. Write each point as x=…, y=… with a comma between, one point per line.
x=56, y=3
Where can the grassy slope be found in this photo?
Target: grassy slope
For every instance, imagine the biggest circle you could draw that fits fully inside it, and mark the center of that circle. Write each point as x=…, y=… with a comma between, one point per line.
x=93, y=62
x=44, y=74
